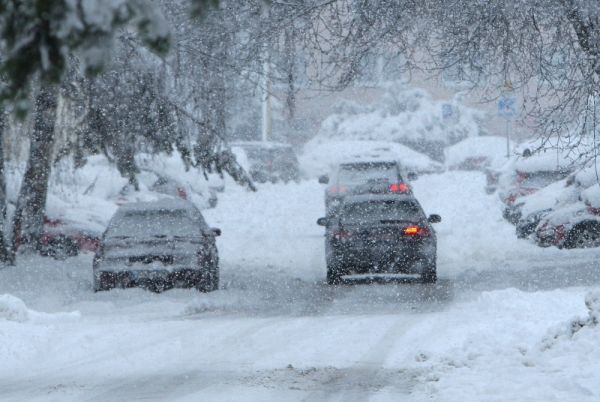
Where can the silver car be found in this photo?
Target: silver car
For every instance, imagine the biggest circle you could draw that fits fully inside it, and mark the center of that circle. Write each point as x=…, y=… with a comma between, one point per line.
x=157, y=245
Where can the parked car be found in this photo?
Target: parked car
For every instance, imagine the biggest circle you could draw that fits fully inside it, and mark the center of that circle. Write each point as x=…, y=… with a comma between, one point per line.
x=200, y=194
x=62, y=238
x=573, y=225
x=366, y=177
x=380, y=234
x=477, y=153
x=158, y=245
x=267, y=161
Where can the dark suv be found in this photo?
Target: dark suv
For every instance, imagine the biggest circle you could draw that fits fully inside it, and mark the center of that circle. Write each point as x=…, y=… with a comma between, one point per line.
x=380, y=234
x=370, y=177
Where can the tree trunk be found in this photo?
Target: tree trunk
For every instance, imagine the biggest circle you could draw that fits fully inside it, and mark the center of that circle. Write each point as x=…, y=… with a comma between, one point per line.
x=29, y=216
x=3, y=200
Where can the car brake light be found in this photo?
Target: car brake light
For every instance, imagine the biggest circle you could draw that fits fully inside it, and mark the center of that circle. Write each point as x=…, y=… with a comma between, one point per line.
x=181, y=193
x=414, y=230
x=337, y=189
x=398, y=187
x=342, y=234
x=594, y=211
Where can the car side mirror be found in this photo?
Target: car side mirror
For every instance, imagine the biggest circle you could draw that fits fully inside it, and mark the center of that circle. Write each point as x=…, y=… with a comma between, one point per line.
x=434, y=218
x=216, y=232
x=324, y=179
x=322, y=221
x=412, y=176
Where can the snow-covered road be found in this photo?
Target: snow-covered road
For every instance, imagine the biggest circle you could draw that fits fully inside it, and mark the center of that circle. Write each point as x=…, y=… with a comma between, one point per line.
x=493, y=328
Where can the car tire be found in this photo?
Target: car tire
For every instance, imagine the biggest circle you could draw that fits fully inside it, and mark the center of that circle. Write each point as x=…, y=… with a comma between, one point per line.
x=584, y=235
x=103, y=283
x=429, y=274
x=333, y=276
x=209, y=281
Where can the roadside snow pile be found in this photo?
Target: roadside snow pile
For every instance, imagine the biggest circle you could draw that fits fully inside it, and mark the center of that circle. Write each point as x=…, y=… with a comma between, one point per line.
x=569, y=330
x=476, y=153
x=496, y=347
x=14, y=309
x=408, y=116
x=321, y=156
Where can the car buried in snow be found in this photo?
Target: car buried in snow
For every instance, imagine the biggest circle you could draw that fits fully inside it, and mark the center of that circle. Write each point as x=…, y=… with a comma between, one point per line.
x=380, y=235
x=365, y=177
x=267, y=161
x=157, y=245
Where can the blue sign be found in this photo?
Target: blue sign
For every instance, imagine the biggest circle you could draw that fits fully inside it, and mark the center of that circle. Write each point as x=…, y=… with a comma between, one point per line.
x=507, y=106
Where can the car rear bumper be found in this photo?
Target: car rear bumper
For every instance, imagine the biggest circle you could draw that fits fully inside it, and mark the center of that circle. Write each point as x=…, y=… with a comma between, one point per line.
x=161, y=279
x=406, y=260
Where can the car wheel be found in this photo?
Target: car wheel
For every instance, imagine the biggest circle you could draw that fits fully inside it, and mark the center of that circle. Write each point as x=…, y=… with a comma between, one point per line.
x=585, y=235
x=209, y=281
x=429, y=274
x=105, y=281
x=335, y=270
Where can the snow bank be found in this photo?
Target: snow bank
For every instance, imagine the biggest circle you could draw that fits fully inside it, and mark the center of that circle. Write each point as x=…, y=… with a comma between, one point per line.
x=321, y=156
x=14, y=309
x=404, y=115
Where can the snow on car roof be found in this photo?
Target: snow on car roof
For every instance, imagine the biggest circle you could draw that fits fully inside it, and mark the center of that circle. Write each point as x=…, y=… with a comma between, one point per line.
x=491, y=147
x=322, y=156
x=167, y=203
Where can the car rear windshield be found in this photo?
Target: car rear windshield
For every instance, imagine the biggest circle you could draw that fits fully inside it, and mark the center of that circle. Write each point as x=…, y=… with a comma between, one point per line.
x=358, y=174
x=153, y=223
x=370, y=211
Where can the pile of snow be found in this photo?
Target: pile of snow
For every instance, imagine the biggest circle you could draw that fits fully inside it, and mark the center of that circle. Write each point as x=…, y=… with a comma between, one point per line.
x=322, y=156
x=404, y=115
x=13, y=309
x=477, y=152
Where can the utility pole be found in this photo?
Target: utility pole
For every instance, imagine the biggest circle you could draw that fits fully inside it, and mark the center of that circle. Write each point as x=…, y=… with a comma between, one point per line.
x=266, y=96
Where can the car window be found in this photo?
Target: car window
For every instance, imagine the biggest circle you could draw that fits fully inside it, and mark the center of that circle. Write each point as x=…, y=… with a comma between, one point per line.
x=381, y=210
x=148, y=223
x=365, y=174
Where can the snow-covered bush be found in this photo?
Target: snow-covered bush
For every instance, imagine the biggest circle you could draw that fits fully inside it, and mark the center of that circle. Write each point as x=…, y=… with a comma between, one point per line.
x=409, y=116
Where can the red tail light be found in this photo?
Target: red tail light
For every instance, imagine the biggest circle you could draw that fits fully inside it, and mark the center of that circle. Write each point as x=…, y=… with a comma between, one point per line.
x=342, y=234
x=337, y=189
x=594, y=211
x=182, y=193
x=398, y=188
x=414, y=230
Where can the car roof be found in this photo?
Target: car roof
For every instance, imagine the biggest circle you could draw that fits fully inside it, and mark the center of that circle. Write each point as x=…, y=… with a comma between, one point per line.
x=357, y=199
x=369, y=164
x=159, y=205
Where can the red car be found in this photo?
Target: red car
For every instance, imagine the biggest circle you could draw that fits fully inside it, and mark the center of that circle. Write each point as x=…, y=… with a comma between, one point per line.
x=63, y=238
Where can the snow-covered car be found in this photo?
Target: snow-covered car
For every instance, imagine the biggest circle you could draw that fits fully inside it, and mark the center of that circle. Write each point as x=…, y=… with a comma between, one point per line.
x=321, y=156
x=63, y=238
x=368, y=177
x=204, y=197
x=477, y=153
x=158, y=245
x=525, y=175
x=380, y=234
x=267, y=161
x=574, y=225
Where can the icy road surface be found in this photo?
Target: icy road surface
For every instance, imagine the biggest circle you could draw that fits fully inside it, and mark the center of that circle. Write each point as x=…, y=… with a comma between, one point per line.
x=493, y=328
